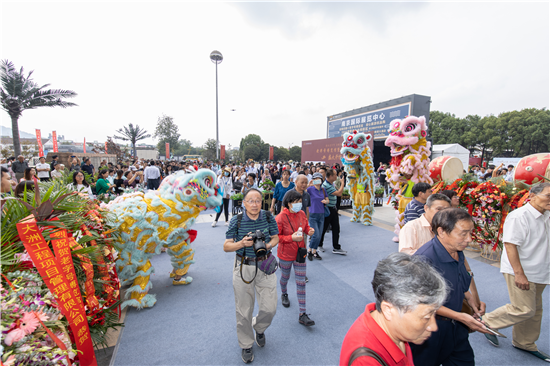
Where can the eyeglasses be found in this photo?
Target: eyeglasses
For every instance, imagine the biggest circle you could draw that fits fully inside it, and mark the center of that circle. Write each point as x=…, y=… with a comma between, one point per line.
x=255, y=202
x=547, y=196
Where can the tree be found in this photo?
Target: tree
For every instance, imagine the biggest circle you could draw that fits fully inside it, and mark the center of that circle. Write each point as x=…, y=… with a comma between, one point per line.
x=19, y=93
x=295, y=153
x=167, y=132
x=132, y=134
x=209, y=151
x=281, y=154
x=252, y=152
x=249, y=140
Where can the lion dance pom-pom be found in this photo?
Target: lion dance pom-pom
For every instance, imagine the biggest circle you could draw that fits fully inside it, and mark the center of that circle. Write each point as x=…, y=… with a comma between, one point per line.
x=148, y=222
x=410, y=159
x=357, y=162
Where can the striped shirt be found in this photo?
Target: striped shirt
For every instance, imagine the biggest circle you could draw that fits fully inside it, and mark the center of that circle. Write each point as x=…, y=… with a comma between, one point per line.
x=413, y=210
x=329, y=188
x=248, y=225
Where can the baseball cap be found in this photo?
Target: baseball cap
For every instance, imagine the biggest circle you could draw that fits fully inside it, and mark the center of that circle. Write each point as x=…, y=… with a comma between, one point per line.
x=317, y=175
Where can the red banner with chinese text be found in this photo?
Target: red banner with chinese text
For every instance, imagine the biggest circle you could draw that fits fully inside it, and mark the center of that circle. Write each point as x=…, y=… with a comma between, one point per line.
x=222, y=152
x=84, y=146
x=167, y=151
x=106, y=150
x=56, y=276
x=54, y=141
x=39, y=142
x=271, y=153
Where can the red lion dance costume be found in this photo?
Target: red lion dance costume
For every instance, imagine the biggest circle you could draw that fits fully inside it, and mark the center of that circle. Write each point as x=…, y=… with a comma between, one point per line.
x=410, y=159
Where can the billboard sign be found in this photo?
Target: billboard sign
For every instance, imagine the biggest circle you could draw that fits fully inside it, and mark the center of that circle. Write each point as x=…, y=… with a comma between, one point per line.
x=326, y=150
x=39, y=142
x=377, y=121
x=54, y=139
x=222, y=152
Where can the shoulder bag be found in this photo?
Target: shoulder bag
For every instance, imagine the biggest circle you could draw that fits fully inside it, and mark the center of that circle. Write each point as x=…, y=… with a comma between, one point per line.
x=366, y=352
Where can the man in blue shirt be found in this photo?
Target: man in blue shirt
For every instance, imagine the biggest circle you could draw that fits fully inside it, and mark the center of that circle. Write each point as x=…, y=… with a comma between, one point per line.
x=450, y=344
x=415, y=208
x=257, y=282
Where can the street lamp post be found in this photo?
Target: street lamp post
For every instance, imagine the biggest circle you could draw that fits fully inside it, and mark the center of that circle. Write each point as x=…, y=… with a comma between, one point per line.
x=217, y=57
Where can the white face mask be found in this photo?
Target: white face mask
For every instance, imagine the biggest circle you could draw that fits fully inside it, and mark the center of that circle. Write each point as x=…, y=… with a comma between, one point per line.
x=296, y=206
x=317, y=181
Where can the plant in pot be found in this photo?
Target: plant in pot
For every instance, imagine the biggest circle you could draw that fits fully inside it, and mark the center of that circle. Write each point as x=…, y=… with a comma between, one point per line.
x=345, y=194
x=379, y=191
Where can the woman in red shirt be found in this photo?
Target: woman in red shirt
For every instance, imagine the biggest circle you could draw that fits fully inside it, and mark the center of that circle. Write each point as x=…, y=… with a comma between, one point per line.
x=290, y=221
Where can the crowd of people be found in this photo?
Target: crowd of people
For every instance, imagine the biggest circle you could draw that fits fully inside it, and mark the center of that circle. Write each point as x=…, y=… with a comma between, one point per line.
x=426, y=299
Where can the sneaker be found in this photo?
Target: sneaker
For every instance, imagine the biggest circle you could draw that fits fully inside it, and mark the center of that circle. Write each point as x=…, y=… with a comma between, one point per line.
x=214, y=224
x=339, y=251
x=247, y=355
x=321, y=249
x=543, y=356
x=317, y=256
x=305, y=320
x=227, y=223
x=310, y=256
x=492, y=339
x=285, y=301
x=260, y=339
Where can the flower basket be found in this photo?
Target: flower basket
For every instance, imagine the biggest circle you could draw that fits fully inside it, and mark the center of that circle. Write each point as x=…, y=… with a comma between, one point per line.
x=488, y=253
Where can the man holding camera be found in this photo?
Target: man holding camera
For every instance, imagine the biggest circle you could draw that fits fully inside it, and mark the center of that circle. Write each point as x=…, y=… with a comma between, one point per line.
x=244, y=236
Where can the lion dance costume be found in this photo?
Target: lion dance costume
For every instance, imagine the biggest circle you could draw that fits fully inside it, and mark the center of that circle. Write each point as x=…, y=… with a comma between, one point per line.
x=410, y=160
x=357, y=162
x=148, y=222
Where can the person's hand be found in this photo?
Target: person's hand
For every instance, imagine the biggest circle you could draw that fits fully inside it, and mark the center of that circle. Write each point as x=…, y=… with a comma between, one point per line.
x=272, y=209
x=325, y=201
x=521, y=281
x=296, y=237
x=311, y=231
x=247, y=241
x=482, y=308
x=477, y=325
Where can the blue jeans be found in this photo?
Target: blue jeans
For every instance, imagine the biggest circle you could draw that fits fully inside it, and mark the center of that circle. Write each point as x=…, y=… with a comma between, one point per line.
x=316, y=221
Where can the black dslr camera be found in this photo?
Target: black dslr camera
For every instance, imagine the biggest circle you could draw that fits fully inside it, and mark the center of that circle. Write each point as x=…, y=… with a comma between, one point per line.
x=259, y=243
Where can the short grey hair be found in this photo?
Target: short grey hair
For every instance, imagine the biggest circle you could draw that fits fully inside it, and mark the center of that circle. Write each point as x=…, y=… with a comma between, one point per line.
x=437, y=197
x=408, y=281
x=538, y=188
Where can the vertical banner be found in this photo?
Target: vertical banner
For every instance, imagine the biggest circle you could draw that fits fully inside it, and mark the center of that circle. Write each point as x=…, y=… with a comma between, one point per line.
x=167, y=151
x=222, y=152
x=39, y=142
x=54, y=138
x=59, y=275
x=84, y=146
x=271, y=153
x=106, y=150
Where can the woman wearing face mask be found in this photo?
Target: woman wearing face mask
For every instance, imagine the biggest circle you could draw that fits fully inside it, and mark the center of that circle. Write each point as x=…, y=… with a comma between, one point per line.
x=224, y=181
x=316, y=213
x=290, y=221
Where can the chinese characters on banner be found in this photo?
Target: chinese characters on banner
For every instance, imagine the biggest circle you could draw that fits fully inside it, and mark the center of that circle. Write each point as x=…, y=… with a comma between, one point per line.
x=167, y=151
x=271, y=153
x=377, y=121
x=84, y=146
x=59, y=275
x=39, y=142
x=54, y=139
x=326, y=150
x=222, y=152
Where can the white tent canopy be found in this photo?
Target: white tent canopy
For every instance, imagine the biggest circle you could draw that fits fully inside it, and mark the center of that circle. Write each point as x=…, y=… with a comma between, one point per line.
x=455, y=150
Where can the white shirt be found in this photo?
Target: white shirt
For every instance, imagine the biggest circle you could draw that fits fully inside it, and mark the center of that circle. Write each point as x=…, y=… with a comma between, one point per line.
x=293, y=176
x=82, y=188
x=227, y=185
x=527, y=228
x=56, y=174
x=43, y=174
x=151, y=172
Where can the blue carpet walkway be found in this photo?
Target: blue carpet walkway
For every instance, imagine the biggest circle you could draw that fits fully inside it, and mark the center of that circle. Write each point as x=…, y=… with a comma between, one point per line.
x=195, y=324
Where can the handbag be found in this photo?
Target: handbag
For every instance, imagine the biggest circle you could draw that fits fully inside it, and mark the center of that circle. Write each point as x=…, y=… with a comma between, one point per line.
x=301, y=254
x=237, y=185
x=327, y=211
x=466, y=308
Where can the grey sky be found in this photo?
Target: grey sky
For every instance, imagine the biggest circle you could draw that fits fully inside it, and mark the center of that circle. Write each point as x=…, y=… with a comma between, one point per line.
x=287, y=66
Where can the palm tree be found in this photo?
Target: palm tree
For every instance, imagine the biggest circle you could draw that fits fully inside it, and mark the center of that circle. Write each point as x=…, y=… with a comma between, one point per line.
x=20, y=92
x=132, y=134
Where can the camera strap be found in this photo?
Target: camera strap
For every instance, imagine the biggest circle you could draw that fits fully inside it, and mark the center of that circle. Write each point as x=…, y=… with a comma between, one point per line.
x=255, y=273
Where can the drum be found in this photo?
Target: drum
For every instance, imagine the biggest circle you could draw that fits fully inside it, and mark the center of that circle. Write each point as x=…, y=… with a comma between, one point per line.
x=447, y=168
x=530, y=169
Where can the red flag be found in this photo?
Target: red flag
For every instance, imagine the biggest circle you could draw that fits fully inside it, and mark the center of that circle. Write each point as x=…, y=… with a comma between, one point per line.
x=222, y=152
x=54, y=138
x=271, y=153
x=84, y=145
x=167, y=151
x=106, y=151
x=39, y=142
